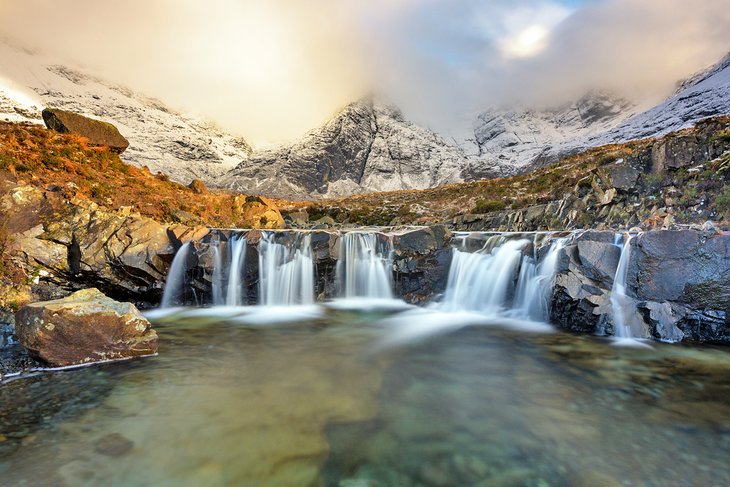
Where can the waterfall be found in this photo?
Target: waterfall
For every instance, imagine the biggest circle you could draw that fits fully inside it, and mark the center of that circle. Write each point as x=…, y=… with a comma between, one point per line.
x=482, y=280
x=217, y=276
x=535, y=284
x=237, y=249
x=286, y=272
x=175, y=281
x=623, y=308
x=364, y=268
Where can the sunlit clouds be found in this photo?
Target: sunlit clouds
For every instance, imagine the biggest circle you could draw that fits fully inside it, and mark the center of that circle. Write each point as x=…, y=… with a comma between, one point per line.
x=273, y=70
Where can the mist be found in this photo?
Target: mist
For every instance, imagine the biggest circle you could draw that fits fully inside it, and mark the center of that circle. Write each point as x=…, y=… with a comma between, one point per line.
x=273, y=70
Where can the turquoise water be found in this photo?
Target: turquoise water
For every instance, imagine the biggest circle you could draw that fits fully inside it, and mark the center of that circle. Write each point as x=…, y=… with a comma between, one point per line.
x=352, y=398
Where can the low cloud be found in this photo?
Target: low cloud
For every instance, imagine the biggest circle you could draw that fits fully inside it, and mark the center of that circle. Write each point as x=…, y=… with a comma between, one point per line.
x=272, y=70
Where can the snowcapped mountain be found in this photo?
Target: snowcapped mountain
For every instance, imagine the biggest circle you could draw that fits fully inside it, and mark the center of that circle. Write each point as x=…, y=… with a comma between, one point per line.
x=367, y=146
x=521, y=139
x=703, y=95
x=182, y=146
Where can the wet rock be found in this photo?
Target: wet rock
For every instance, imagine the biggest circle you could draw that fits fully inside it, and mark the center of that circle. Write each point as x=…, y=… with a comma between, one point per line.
x=682, y=266
x=98, y=132
x=662, y=321
x=598, y=260
x=113, y=445
x=82, y=328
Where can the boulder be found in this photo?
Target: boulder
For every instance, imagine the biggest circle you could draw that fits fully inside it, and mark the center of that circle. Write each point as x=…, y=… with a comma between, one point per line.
x=198, y=186
x=98, y=132
x=82, y=328
x=258, y=212
x=682, y=266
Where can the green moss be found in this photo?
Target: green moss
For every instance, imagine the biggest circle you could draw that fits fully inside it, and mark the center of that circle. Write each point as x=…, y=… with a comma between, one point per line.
x=488, y=206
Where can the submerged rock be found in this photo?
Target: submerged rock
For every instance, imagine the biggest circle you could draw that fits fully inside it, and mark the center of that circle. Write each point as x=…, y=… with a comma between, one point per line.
x=98, y=132
x=82, y=328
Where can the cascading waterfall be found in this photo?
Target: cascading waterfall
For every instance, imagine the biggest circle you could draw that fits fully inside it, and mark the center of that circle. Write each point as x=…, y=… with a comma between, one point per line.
x=364, y=269
x=237, y=248
x=173, y=292
x=482, y=280
x=623, y=308
x=286, y=272
x=217, y=276
x=535, y=284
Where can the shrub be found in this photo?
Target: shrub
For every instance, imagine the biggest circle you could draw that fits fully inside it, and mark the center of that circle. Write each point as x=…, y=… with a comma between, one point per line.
x=488, y=206
x=722, y=202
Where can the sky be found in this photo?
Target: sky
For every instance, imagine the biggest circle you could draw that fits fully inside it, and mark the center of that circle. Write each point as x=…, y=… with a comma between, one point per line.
x=272, y=70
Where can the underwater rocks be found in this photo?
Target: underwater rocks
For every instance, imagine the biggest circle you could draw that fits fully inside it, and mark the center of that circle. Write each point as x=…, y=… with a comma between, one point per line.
x=82, y=328
x=98, y=132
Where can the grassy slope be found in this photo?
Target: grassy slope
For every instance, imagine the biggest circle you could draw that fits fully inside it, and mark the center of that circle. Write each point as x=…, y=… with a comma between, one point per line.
x=30, y=154
x=541, y=186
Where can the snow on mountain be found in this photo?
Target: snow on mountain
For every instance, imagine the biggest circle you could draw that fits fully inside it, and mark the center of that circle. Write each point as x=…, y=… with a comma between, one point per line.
x=519, y=140
x=703, y=95
x=519, y=136
x=368, y=146
x=182, y=146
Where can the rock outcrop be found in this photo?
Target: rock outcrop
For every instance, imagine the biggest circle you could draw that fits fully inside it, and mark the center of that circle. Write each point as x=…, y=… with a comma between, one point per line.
x=82, y=328
x=678, y=284
x=675, y=179
x=97, y=132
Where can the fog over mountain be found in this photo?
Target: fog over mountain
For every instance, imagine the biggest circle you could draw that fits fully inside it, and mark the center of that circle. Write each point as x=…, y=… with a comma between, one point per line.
x=271, y=71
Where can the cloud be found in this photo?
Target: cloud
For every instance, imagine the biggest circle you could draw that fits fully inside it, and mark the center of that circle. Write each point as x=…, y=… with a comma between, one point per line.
x=272, y=70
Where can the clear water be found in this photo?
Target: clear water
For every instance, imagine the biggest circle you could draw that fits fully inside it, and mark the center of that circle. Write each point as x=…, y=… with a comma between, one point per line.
x=329, y=399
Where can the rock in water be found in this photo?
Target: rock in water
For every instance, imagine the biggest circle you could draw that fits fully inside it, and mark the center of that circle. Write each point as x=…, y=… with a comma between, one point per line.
x=98, y=132
x=82, y=328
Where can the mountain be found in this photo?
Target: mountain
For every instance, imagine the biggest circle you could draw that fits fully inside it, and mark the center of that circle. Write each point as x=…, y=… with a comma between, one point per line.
x=179, y=145
x=367, y=146
x=703, y=95
x=517, y=136
x=521, y=139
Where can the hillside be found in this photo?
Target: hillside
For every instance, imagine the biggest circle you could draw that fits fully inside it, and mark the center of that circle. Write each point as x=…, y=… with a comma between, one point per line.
x=681, y=178
x=182, y=146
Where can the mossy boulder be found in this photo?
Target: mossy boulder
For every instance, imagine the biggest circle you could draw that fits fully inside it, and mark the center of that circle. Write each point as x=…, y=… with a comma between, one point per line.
x=98, y=132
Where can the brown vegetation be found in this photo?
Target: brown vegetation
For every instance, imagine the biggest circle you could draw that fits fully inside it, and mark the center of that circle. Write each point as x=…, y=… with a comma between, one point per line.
x=30, y=154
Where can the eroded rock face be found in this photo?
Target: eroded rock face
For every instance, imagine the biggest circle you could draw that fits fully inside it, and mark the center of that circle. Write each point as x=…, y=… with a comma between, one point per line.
x=98, y=132
x=678, y=284
x=82, y=328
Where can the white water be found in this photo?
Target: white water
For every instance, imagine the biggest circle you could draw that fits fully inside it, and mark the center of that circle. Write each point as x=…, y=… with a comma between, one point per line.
x=217, y=283
x=626, y=326
x=364, y=268
x=286, y=273
x=535, y=284
x=237, y=248
x=176, y=277
x=481, y=281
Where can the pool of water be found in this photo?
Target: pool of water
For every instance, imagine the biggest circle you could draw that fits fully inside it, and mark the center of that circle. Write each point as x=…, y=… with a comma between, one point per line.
x=355, y=396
